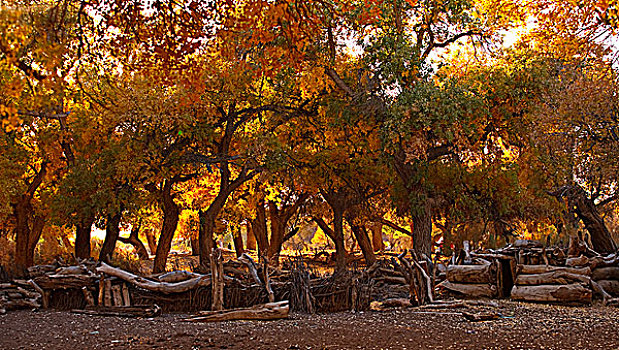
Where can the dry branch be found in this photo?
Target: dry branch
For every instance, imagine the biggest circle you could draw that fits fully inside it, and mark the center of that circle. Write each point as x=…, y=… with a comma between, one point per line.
x=162, y=287
x=269, y=311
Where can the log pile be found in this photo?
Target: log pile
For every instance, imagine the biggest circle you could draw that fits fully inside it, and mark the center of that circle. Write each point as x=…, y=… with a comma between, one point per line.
x=557, y=284
x=18, y=295
x=473, y=281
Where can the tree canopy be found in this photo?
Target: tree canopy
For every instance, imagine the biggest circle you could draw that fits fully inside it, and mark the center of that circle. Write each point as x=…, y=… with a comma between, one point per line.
x=187, y=122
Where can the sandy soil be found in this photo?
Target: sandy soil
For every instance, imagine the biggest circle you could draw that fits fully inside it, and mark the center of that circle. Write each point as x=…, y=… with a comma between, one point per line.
x=525, y=326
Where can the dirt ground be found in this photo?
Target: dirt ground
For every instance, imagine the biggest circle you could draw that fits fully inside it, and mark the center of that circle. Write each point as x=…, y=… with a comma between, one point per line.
x=524, y=326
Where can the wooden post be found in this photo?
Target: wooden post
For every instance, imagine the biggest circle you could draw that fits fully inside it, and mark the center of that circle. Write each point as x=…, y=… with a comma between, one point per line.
x=90, y=300
x=117, y=294
x=126, y=296
x=217, y=283
x=107, y=296
x=101, y=291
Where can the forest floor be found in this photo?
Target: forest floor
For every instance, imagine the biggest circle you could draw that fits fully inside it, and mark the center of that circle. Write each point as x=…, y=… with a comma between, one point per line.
x=525, y=326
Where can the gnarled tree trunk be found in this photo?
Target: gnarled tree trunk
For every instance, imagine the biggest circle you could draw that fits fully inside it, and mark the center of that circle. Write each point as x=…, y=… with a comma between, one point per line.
x=361, y=234
x=134, y=240
x=26, y=235
x=171, y=211
x=587, y=211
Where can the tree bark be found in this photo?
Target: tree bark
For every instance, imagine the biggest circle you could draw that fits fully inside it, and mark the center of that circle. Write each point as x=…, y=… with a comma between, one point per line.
x=171, y=211
x=112, y=232
x=82, y=237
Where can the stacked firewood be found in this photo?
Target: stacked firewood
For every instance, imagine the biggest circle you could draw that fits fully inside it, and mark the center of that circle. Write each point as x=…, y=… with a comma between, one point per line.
x=547, y=283
x=18, y=295
x=471, y=280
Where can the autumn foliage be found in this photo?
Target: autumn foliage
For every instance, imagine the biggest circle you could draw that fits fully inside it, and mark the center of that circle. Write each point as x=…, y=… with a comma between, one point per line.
x=340, y=124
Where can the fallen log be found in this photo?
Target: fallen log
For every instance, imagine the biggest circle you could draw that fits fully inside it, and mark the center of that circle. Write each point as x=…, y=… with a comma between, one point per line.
x=481, y=316
x=471, y=290
x=269, y=311
x=177, y=276
x=72, y=270
x=391, y=280
x=553, y=277
x=610, y=286
x=469, y=273
x=122, y=311
x=577, y=261
x=162, y=287
x=536, y=269
x=605, y=273
x=64, y=281
x=396, y=302
x=569, y=293
x=600, y=261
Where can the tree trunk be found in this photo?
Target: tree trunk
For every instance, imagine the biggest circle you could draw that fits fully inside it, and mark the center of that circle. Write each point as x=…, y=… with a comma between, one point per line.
x=82, y=237
x=134, y=240
x=377, y=237
x=112, y=232
x=171, y=212
x=151, y=240
x=422, y=231
x=35, y=234
x=251, y=239
x=279, y=222
x=278, y=230
x=259, y=229
x=195, y=245
x=586, y=210
x=361, y=234
x=338, y=239
x=207, y=232
x=237, y=238
x=23, y=213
